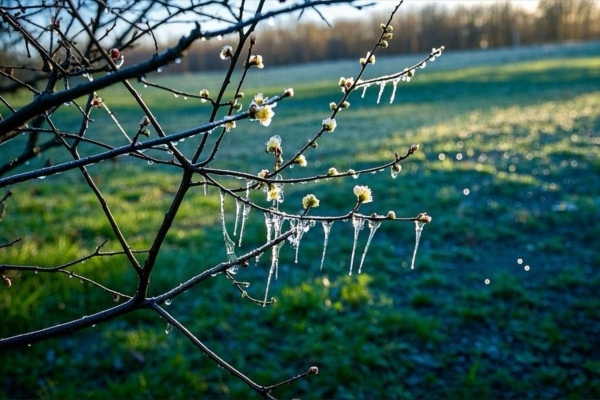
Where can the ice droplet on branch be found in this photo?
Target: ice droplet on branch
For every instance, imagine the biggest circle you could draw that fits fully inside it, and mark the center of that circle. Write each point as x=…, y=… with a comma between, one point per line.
x=373, y=225
x=418, y=229
x=169, y=328
x=326, y=230
x=358, y=224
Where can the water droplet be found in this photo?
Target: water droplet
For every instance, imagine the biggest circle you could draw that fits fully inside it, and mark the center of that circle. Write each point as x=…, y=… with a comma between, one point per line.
x=271, y=21
x=520, y=261
x=178, y=60
x=150, y=162
x=526, y=268
x=185, y=97
x=169, y=328
x=41, y=177
x=68, y=103
x=83, y=261
x=168, y=302
x=175, y=95
x=145, y=85
x=159, y=70
x=487, y=281
x=423, y=65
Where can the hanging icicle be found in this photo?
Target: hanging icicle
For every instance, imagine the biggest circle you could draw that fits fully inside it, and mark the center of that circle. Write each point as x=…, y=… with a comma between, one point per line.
x=358, y=224
x=246, y=210
x=229, y=244
x=418, y=229
x=381, y=87
x=373, y=225
x=326, y=230
x=395, y=83
x=275, y=224
x=238, y=207
x=303, y=226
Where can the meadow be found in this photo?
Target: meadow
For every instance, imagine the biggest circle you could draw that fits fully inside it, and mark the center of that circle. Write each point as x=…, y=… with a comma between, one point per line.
x=503, y=301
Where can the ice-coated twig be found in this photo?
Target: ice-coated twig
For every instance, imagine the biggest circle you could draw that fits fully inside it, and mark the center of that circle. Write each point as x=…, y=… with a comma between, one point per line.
x=373, y=225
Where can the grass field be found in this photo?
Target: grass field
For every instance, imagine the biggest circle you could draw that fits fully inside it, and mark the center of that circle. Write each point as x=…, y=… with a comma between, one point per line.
x=503, y=301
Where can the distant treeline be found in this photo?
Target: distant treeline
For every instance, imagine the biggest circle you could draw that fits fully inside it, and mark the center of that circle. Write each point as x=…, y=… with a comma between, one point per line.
x=416, y=30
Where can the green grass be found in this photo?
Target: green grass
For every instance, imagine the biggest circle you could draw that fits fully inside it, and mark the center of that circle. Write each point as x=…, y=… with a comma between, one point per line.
x=508, y=168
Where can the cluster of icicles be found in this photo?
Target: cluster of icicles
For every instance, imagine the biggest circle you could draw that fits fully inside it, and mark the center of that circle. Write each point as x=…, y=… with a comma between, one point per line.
x=274, y=225
x=404, y=76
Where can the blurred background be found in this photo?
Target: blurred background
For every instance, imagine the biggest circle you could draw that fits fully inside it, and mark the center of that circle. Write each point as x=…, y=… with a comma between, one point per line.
x=503, y=299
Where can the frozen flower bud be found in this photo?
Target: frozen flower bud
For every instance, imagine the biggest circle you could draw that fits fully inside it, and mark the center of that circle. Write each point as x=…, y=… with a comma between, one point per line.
x=363, y=194
x=256, y=61
x=424, y=218
x=329, y=124
x=332, y=106
x=314, y=144
x=351, y=172
x=226, y=52
x=383, y=44
x=300, y=160
x=263, y=173
x=313, y=370
x=96, y=102
x=369, y=59
x=259, y=99
x=310, y=201
x=410, y=73
x=346, y=84
x=145, y=132
x=396, y=168
x=332, y=171
x=389, y=29
x=6, y=280
x=237, y=106
x=388, y=36
x=345, y=104
x=289, y=92
x=382, y=26
x=264, y=114
x=274, y=144
x=204, y=93
x=229, y=126
x=240, y=95
x=413, y=148
x=391, y=215
x=114, y=53
x=145, y=121
x=279, y=159
x=275, y=193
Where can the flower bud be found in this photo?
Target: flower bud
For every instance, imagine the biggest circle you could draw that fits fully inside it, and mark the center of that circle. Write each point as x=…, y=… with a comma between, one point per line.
x=391, y=215
x=313, y=370
x=310, y=201
x=345, y=104
x=288, y=92
x=413, y=148
x=145, y=132
x=314, y=144
x=424, y=218
x=332, y=106
x=383, y=44
x=114, y=53
x=145, y=121
x=332, y=171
